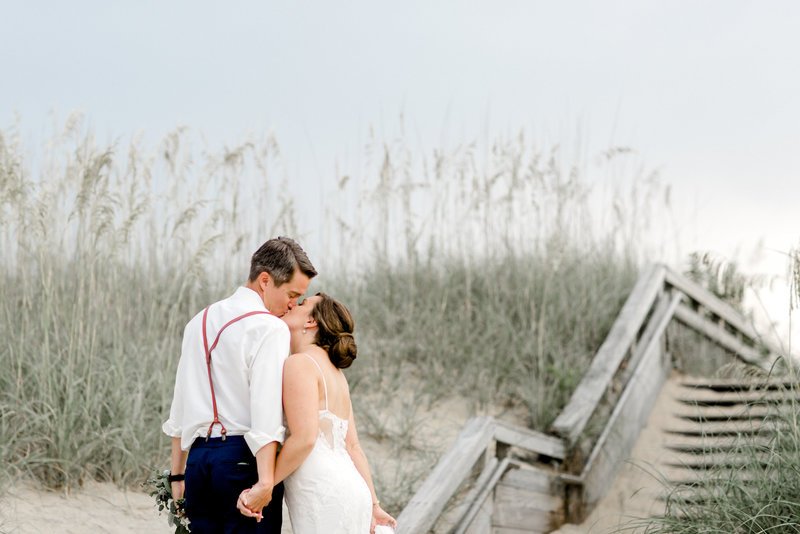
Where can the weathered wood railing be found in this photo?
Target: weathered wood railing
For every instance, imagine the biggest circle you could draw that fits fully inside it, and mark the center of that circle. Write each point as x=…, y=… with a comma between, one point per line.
x=625, y=377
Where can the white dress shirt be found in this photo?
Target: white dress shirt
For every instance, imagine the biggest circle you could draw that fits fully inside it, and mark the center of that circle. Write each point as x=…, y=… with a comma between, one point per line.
x=247, y=370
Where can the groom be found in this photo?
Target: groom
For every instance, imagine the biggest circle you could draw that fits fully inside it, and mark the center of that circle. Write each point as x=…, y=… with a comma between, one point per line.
x=226, y=418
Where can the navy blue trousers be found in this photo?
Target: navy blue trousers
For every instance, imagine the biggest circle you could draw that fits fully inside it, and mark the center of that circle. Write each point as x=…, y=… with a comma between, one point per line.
x=216, y=473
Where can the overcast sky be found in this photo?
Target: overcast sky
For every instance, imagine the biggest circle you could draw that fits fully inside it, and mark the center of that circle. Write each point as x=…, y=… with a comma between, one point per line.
x=706, y=91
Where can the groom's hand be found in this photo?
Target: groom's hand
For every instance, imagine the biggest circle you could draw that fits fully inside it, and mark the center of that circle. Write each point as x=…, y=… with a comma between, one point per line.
x=178, y=492
x=252, y=501
x=242, y=506
x=178, y=489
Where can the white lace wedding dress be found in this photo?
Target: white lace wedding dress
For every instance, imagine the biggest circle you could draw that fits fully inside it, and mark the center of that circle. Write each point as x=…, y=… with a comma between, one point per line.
x=327, y=494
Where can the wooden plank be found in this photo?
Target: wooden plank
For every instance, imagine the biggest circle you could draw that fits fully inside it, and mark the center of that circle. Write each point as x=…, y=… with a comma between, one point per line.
x=709, y=460
x=701, y=477
x=739, y=384
x=483, y=492
x=501, y=530
x=482, y=523
x=727, y=428
x=571, y=421
x=719, y=335
x=656, y=326
x=627, y=420
x=543, y=491
x=469, y=499
x=453, y=468
x=530, y=440
x=706, y=444
x=533, y=479
x=705, y=397
x=520, y=509
x=543, y=502
x=718, y=307
x=696, y=412
x=522, y=518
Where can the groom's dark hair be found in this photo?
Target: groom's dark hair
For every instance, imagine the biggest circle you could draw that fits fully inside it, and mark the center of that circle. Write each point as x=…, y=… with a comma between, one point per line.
x=280, y=257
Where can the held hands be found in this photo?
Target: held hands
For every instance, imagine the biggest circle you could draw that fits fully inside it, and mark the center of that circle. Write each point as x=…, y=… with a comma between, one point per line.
x=380, y=517
x=251, y=501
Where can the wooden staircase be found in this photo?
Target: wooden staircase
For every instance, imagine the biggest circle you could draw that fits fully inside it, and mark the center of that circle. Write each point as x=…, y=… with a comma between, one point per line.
x=511, y=480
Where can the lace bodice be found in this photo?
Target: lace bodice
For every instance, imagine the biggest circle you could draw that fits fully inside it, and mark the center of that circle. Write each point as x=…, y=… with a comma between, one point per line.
x=332, y=429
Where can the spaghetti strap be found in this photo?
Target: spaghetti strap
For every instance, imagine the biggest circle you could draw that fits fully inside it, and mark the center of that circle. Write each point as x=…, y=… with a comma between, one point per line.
x=324, y=384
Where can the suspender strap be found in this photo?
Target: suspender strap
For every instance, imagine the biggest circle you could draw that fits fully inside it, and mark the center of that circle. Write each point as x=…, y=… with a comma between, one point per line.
x=208, y=364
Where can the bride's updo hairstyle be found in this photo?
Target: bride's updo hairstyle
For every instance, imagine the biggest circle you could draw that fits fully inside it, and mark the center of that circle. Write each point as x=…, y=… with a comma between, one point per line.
x=335, y=331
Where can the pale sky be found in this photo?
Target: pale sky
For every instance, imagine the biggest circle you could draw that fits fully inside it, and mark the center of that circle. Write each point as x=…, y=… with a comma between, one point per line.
x=706, y=91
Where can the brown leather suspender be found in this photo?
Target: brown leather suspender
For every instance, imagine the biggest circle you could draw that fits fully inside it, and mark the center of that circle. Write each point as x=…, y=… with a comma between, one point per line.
x=208, y=364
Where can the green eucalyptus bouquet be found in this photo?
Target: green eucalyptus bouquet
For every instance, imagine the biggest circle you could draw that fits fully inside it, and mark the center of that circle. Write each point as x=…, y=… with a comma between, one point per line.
x=161, y=489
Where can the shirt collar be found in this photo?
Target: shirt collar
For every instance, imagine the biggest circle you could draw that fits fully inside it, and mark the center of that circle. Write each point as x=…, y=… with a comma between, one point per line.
x=250, y=297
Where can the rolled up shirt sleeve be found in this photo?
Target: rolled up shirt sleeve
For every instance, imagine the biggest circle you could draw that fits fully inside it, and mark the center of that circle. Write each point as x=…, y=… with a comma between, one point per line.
x=171, y=429
x=266, y=388
x=173, y=426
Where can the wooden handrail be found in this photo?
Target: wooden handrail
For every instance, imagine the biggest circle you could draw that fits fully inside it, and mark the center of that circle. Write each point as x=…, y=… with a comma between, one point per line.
x=723, y=338
x=573, y=418
x=721, y=309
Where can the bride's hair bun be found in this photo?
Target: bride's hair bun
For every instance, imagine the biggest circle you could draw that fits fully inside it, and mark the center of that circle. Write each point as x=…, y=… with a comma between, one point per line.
x=335, y=331
x=343, y=351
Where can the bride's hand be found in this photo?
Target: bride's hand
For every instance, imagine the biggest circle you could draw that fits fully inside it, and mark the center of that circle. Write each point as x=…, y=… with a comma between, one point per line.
x=242, y=504
x=380, y=517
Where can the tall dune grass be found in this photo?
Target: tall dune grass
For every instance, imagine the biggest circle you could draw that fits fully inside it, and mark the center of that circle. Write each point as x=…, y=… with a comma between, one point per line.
x=490, y=274
x=102, y=265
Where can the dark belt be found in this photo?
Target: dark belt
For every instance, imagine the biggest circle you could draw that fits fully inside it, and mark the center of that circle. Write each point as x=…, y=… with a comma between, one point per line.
x=218, y=442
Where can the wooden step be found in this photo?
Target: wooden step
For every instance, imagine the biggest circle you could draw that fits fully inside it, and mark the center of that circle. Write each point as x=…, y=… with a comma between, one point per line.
x=696, y=413
x=708, y=478
x=738, y=384
x=745, y=427
x=717, y=459
x=733, y=398
x=704, y=444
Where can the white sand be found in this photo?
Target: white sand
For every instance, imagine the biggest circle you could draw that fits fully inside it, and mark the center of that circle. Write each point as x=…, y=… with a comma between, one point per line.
x=97, y=507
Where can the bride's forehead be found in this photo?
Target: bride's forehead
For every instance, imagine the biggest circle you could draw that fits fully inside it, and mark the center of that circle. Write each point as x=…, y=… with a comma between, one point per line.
x=312, y=300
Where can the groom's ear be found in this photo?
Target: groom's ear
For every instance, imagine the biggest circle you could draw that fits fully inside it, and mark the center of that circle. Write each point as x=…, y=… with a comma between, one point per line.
x=264, y=280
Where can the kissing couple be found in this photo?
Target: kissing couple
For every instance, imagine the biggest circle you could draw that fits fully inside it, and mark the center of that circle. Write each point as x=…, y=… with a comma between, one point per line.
x=249, y=364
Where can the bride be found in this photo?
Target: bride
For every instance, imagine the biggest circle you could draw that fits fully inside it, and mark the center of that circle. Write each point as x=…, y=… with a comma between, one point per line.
x=327, y=479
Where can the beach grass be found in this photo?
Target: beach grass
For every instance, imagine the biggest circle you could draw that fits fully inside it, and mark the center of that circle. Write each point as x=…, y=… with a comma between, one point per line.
x=485, y=275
